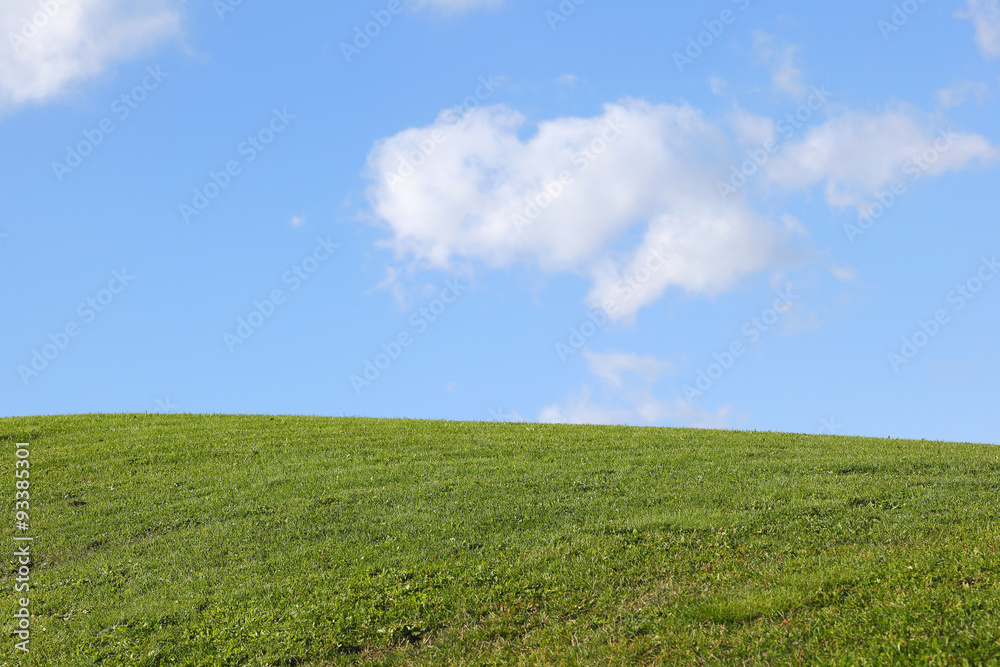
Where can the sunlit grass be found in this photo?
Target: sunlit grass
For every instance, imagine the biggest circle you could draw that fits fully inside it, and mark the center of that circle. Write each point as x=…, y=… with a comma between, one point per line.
x=216, y=540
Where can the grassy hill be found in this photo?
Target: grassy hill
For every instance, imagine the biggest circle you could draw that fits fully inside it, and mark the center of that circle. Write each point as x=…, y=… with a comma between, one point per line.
x=216, y=540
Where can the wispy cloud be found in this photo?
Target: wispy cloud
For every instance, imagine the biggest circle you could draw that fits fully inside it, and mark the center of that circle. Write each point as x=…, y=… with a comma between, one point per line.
x=857, y=153
x=958, y=93
x=786, y=76
x=627, y=383
x=616, y=366
x=581, y=409
x=985, y=16
x=568, y=80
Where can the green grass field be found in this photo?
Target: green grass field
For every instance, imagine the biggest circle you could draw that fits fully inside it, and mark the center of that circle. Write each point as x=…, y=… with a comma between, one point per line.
x=216, y=540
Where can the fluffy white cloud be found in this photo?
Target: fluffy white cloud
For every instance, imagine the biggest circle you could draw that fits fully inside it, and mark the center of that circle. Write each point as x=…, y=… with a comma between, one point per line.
x=56, y=43
x=629, y=197
x=696, y=246
x=858, y=153
x=483, y=188
x=985, y=16
x=628, y=381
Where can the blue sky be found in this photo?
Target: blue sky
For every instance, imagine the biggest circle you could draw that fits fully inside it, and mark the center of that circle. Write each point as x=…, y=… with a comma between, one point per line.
x=733, y=214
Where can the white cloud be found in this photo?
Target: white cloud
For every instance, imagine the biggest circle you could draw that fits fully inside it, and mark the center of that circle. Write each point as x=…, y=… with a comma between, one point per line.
x=845, y=274
x=717, y=85
x=581, y=410
x=55, y=45
x=786, y=77
x=637, y=166
x=701, y=249
x=858, y=153
x=614, y=366
x=568, y=80
x=957, y=94
x=751, y=129
x=628, y=380
x=654, y=412
x=985, y=16
x=454, y=6
x=393, y=283
x=793, y=224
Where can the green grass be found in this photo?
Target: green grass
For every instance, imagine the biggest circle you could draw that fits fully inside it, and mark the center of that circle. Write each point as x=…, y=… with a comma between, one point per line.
x=182, y=540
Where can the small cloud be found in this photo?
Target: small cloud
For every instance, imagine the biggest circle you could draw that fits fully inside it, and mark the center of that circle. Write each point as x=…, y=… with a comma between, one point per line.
x=581, y=409
x=960, y=92
x=985, y=16
x=717, y=85
x=845, y=274
x=503, y=415
x=801, y=321
x=793, y=224
x=568, y=80
x=627, y=380
x=858, y=153
x=392, y=283
x=786, y=77
x=297, y=221
x=612, y=367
